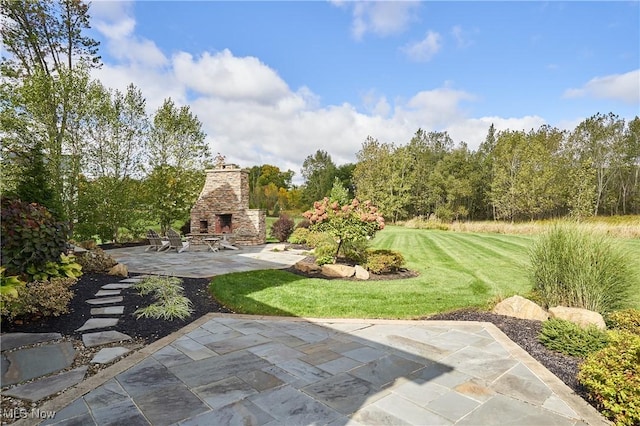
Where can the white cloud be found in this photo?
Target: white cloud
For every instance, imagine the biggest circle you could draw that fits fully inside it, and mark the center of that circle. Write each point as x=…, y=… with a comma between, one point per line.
x=156, y=84
x=461, y=36
x=473, y=131
x=621, y=87
x=382, y=18
x=425, y=49
x=113, y=18
x=115, y=21
x=230, y=77
x=376, y=104
x=434, y=108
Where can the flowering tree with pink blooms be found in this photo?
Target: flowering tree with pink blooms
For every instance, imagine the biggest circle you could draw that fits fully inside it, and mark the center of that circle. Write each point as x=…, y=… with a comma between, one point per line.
x=357, y=221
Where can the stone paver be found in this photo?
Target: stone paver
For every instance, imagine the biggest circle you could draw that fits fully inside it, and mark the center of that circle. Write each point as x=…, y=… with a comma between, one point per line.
x=48, y=386
x=15, y=340
x=131, y=280
x=106, y=355
x=169, y=405
x=108, y=310
x=105, y=300
x=262, y=381
x=116, y=286
x=103, y=338
x=102, y=293
x=95, y=323
x=29, y=363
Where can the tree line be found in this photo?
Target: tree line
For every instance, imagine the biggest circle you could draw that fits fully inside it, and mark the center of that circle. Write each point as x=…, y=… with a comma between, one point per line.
x=513, y=175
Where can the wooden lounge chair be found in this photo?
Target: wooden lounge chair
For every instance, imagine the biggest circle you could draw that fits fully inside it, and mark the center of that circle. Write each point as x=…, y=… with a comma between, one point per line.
x=155, y=242
x=226, y=244
x=175, y=242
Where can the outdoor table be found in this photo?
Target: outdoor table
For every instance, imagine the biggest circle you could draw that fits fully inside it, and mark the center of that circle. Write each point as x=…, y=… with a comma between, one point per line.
x=213, y=243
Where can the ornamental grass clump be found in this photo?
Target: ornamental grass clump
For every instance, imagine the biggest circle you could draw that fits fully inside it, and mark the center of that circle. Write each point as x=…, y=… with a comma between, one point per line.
x=576, y=268
x=170, y=302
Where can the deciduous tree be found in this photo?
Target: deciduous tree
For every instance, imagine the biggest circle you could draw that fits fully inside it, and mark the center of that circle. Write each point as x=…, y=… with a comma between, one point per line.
x=177, y=152
x=116, y=132
x=346, y=223
x=382, y=175
x=48, y=53
x=318, y=171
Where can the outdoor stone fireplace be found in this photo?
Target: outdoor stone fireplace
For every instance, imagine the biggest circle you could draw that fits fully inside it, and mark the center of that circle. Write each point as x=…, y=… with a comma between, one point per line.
x=222, y=209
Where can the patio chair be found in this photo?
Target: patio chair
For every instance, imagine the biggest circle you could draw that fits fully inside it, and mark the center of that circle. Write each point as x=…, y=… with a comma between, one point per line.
x=155, y=242
x=175, y=241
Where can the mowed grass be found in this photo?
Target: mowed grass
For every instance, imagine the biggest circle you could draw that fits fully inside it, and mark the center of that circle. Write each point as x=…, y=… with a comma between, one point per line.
x=632, y=247
x=456, y=270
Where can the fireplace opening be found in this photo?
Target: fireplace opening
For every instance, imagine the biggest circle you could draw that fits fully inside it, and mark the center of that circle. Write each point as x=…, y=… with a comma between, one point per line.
x=224, y=224
x=204, y=227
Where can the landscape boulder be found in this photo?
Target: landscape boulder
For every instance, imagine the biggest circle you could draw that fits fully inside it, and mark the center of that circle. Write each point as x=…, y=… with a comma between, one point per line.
x=519, y=307
x=361, y=273
x=338, y=271
x=120, y=270
x=308, y=267
x=582, y=317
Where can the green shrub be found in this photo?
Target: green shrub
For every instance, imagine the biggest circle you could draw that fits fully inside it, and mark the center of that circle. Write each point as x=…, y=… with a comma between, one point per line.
x=95, y=261
x=299, y=236
x=315, y=239
x=355, y=251
x=304, y=223
x=31, y=236
x=571, y=339
x=612, y=377
x=9, y=284
x=43, y=298
x=572, y=267
x=282, y=228
x=626, y=320
x=65, y=267
x=383, y=261
x=170, y=303
x=324, y=252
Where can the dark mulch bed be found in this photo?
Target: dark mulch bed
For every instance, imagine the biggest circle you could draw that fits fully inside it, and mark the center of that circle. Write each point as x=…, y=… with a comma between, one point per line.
x=147, y=329
x=523, y=332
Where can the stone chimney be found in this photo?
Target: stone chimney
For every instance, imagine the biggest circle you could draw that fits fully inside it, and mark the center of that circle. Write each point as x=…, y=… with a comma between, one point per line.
x=222, y=208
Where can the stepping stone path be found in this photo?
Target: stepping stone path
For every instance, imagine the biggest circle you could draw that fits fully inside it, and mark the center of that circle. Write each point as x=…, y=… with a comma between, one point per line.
x=33, y=362
x=107, y=295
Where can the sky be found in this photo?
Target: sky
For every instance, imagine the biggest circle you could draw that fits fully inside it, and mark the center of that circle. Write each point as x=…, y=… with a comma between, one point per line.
x=273, y=82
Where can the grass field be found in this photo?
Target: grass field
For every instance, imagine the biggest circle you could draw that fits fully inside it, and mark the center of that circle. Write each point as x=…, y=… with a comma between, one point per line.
x=456, y=270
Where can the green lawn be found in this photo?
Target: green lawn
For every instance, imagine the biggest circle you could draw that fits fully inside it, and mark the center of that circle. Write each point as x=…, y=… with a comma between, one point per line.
x=456, y=270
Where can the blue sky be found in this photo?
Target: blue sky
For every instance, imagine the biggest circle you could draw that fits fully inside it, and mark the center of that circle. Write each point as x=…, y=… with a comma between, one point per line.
x=272, y=82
